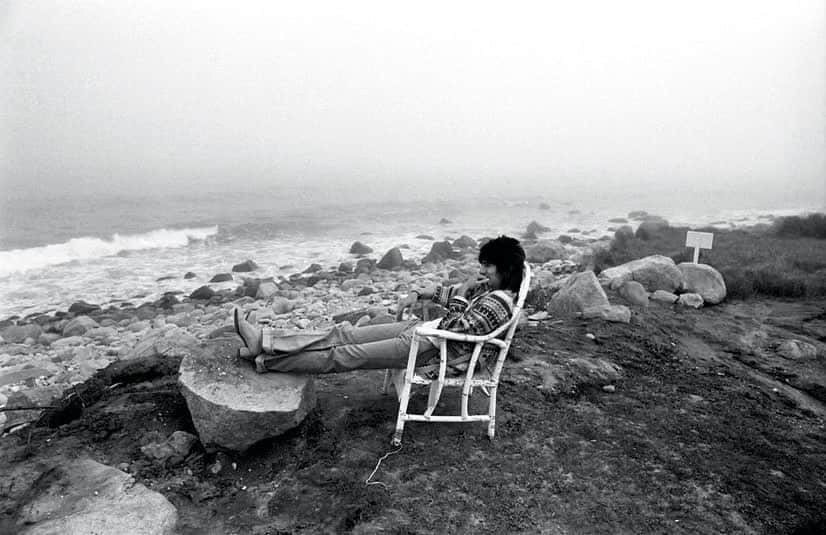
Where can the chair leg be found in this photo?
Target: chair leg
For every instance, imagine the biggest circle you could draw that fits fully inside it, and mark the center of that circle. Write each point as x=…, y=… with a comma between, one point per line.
x=404, y=398
x=492, y=413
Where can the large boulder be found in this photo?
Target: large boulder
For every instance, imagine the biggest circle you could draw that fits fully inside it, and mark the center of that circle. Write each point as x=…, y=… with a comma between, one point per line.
x=360, y=248
x=232, y=406
x=79, y=325
x=391, y=259
x=536, y=228
x=221, y=277
x=204, y=292
x=579, y=292
x=614, y=313
x=634, y=293
x=84, y=496
x=545, y=251
x=439, y=252
x=704, y=280
x=654, y=272
x=266, y=290
x=465, y=242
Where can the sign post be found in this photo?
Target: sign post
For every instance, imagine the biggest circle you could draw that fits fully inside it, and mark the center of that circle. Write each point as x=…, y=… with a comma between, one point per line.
x=698, y=240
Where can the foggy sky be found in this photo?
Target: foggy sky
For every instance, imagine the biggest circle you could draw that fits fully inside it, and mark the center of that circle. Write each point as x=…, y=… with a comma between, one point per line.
x=463, y=95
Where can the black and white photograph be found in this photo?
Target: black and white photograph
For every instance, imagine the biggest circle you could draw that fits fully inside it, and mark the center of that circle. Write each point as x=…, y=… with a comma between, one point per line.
x=369, y=267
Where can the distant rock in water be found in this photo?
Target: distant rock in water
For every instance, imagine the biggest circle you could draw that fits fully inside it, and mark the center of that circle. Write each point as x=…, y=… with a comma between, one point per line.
x=445, y=221
x=82, y=307
x=535, y=228
x=314, y=268
x=221, y=277
x=190, y=275
x=544, y=206
x=650, y=227
x=165, y=278
x=391, y=259
x=204, y=292
x=637, y=214
x=424, y=237
x=246, y=266
x=360, y=248
x=618, y=220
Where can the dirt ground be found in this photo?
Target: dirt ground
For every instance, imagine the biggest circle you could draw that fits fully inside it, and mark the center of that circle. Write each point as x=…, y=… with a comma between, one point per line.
x=707, y=430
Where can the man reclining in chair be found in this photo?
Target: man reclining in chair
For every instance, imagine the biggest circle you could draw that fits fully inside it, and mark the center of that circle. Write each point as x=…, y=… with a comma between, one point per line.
x=476, y=307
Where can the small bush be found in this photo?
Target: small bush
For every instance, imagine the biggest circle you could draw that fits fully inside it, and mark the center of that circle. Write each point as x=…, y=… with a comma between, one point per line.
x=810, y=226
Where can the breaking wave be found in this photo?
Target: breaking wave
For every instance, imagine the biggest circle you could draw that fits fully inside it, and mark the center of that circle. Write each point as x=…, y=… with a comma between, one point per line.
x=88, y=248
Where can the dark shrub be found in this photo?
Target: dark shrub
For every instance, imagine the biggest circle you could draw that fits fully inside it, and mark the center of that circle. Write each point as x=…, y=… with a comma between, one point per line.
x=810, y=226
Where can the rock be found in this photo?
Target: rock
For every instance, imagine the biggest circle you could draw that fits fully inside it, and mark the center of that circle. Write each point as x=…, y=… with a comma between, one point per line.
x=173, y=450
x=183, y=308
x=578, y=373
x=349, y=284
x=82, y=307
x=365, y=265
x=634, y=293
x=536, y=228
x=146, y=312
x=190, y=275
x=664, y=297
x=796, y=350
x=465, y=242
x=244, y=267
x=204, y=292
x=266, y=290
x=17, y=334
x=79, y=325
x=88, y=497
x=165, y=278
x=425, y=237
x=690, y=300
x=46, y=339
x=618, y=220
x=654, y=272
x=613, y=313
x=168, y=343
x=539, y=316
x=282, y=305
x=579, y=292
x=544, y=206
x=221, y=277
x=624, y=233
x=345, y=267
x=637, y=214
x=391, y=259
x=704, y=280
x=439, y=252
x=650, y=227
x=366, y=291
x=545, y=251
x=314, y=268
x=360, y=248
x=609, y=388
x=167, y=302
x=445, y=221
x=232, y=406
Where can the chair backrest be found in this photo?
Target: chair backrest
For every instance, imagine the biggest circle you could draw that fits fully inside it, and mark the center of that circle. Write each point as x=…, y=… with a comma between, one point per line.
x=514, y=321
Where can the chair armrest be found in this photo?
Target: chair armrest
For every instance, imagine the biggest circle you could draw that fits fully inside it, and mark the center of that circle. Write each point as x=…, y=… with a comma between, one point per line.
x=449, y=335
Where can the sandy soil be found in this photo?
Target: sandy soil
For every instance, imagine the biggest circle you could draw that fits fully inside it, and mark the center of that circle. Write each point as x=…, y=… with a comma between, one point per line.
x=708, y=430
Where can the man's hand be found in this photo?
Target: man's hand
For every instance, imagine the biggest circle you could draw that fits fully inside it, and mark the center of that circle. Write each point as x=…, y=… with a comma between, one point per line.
x=405, y=302
x=471, y=283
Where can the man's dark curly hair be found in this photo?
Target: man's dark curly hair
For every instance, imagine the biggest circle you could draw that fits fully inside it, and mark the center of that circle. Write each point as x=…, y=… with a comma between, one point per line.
x=508, y=256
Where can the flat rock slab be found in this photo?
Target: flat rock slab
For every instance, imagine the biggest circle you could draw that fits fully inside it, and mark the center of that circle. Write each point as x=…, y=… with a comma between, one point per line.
x=88, y=497
x=233, y=406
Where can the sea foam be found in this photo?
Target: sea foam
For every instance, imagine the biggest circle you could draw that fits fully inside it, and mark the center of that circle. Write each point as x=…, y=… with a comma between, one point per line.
x=87, y=248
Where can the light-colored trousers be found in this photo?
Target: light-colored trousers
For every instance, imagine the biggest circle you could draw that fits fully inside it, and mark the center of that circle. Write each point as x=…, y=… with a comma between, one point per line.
x=343, y=348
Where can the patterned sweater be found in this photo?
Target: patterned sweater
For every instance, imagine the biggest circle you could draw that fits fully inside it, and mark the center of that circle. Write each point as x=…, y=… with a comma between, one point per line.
x=481, y=312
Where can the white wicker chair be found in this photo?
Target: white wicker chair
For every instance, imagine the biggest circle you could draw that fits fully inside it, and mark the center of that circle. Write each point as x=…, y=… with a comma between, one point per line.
x=404, y=379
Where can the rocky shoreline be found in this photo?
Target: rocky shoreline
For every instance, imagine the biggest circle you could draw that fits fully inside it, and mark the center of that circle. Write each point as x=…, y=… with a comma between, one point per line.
x=44, y=354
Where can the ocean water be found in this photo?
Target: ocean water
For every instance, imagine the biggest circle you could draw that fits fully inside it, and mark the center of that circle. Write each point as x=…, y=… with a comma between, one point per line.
x=109, y=248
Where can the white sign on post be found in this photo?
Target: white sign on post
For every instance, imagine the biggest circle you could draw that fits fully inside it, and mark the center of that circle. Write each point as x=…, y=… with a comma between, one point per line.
x=698, y=240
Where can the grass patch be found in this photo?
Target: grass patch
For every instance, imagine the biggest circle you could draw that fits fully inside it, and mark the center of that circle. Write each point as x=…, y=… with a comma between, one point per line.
x=786, y=260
